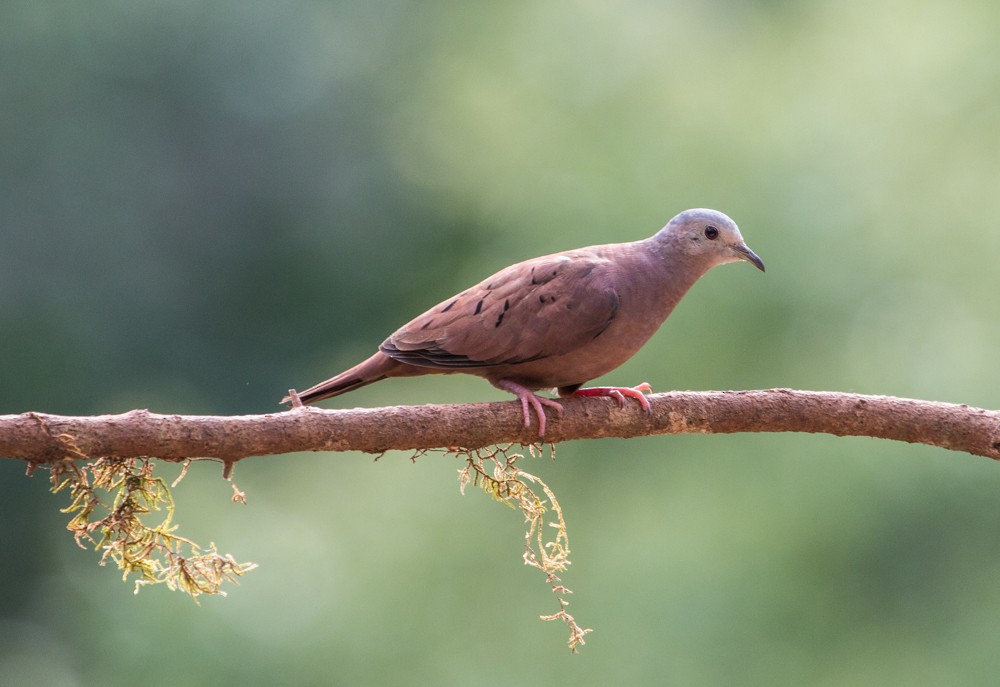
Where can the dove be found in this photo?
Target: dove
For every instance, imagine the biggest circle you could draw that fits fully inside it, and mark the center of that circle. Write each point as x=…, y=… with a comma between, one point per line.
x=557, y=321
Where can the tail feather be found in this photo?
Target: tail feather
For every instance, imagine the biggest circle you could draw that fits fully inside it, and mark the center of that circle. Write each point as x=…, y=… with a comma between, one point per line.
x=374, y=369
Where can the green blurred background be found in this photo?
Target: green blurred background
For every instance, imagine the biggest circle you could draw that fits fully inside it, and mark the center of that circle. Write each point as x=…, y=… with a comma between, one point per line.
x=203, y=204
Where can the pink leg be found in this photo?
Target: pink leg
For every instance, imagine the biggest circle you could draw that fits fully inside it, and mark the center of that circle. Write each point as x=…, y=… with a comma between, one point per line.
x=530, y=398
x=618, y=393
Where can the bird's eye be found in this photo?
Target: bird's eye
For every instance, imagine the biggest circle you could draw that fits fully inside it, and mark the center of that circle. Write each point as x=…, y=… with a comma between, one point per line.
x=711, y=233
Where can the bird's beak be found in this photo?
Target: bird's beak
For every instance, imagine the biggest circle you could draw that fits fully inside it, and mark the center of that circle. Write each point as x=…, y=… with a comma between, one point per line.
x=744, y=253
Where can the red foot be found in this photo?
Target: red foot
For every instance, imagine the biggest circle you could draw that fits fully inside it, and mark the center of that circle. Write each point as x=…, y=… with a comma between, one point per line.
x=529, y=397
x=618, y=393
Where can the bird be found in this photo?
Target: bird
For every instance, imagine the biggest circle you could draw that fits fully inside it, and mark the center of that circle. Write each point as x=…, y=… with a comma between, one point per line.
x=556, y=321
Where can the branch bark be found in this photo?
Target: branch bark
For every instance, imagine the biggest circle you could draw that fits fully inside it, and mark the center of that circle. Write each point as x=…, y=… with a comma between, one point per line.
x=40, y=437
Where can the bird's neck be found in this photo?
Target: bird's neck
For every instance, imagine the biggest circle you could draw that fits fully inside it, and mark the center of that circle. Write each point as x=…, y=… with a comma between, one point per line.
x=670, y=258
x=672, y=268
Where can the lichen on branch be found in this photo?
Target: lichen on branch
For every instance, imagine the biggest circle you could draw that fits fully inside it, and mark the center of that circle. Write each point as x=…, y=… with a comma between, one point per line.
x=509, y=484
x=110, y=497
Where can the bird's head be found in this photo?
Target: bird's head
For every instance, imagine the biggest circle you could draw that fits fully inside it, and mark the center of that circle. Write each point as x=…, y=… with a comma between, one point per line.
x=709, y=237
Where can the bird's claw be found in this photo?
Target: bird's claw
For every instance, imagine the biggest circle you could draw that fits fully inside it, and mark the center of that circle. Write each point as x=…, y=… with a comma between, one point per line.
x=619, y=393
x=531, y=401
x=537, y=402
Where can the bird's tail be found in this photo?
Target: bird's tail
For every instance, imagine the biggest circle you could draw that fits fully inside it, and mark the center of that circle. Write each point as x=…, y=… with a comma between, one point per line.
x=375, y=368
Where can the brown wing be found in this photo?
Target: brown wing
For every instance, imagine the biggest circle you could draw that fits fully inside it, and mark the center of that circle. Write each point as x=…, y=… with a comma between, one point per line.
x=529, y=311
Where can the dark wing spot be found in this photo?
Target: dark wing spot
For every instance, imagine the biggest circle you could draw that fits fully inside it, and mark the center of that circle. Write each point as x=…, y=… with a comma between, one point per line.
x=499, y=320
x=546, y=298
x=479, y=307
x=449, y=306
x=427, y=324
x=506, y=305
x=537, y=278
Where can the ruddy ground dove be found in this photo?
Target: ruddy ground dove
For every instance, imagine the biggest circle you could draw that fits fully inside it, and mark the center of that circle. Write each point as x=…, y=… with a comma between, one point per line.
x=556, y=321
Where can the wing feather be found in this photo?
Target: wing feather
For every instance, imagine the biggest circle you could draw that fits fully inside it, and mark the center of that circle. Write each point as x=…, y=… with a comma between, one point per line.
x=529, y=311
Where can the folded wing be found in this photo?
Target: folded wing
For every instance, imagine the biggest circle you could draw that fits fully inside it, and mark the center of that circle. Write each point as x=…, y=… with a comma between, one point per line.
x=529, y=311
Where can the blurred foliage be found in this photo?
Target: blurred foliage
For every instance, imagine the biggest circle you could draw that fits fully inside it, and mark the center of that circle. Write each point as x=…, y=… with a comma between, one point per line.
x=203, y=204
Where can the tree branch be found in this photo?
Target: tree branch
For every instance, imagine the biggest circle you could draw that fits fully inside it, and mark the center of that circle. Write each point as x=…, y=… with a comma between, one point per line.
x=40, y=437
